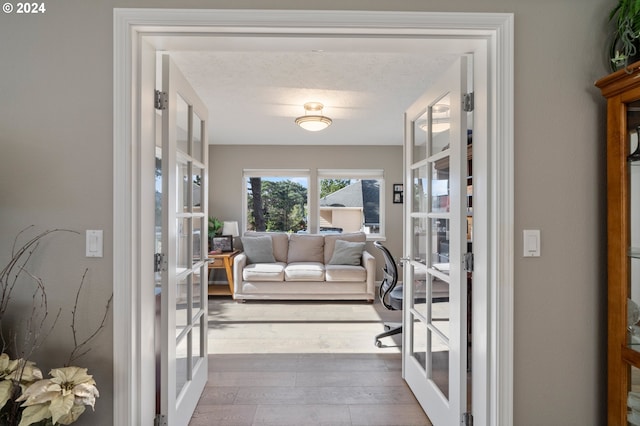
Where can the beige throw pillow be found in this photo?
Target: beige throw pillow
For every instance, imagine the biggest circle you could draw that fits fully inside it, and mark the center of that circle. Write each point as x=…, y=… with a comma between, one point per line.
x=306, y=248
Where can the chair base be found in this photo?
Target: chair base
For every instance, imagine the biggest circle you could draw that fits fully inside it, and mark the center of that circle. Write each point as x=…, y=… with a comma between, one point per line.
x=391, y=330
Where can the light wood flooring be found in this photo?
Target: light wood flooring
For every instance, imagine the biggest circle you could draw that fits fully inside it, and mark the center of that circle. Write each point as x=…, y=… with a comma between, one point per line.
x=303, y=363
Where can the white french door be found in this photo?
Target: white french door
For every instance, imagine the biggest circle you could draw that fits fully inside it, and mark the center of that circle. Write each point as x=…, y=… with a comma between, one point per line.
x=435, y=229
x=183, y=278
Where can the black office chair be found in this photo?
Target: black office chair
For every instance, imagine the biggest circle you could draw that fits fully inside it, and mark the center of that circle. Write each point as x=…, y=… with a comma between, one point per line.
x=390, y=292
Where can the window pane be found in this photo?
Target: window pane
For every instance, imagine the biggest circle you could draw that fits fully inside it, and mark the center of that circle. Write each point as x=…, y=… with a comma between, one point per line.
x=349, y=205
x=277, y=203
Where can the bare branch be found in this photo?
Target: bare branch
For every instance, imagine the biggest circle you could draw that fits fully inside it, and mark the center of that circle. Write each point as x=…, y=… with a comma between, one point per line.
x=79, y=349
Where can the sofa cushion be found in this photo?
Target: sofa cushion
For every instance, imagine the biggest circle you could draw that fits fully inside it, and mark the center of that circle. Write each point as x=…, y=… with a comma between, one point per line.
x=304, y=271
x=330, y=242
x=345, y=273
x=306, y=248
x=264, y=272
x=259, y=249
x=347, y=253
x=280, y=242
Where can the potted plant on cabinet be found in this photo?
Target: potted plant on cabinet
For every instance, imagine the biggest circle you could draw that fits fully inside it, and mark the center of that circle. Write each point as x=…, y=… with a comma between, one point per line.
x=624, y=42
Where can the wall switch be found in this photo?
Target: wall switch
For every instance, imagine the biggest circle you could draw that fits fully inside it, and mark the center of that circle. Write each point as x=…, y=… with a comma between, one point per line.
x=94, y=243
x=531, y=242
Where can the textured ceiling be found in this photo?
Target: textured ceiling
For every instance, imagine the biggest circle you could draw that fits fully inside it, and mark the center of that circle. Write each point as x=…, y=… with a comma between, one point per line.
x=254, y=89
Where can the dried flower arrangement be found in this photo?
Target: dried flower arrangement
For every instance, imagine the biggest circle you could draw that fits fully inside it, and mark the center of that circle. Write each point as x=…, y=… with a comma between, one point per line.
x=26, y=398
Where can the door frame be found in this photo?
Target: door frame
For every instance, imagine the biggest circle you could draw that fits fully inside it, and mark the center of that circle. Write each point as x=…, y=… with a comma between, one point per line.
x=133, y=350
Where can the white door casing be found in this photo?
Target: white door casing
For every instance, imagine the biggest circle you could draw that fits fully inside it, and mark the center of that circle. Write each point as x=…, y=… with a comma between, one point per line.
x=489, y=37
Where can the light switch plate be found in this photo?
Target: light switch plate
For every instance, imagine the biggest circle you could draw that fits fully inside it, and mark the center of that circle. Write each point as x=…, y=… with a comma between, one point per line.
x=531, y=242
x=94, y=243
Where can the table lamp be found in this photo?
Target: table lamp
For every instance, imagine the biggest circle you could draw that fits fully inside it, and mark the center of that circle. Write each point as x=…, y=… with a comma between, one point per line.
x=230, y=228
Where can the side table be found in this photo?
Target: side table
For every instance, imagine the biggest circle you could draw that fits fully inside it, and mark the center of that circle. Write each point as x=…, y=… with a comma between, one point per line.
x=222, y=261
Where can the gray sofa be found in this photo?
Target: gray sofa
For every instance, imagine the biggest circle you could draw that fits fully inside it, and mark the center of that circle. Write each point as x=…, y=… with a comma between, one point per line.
x=281, y=266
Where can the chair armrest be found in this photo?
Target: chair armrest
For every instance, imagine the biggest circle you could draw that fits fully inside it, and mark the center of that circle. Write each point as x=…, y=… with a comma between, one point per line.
x=239, y=262
x=369, y=263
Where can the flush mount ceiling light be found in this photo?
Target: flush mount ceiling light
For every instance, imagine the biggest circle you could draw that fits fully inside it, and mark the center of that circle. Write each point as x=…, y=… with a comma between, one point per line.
x=313, y=120
x=439, y=125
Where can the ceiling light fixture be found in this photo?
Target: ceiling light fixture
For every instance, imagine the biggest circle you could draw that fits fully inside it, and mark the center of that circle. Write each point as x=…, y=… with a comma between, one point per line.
x=439, y=125
x=313, y=120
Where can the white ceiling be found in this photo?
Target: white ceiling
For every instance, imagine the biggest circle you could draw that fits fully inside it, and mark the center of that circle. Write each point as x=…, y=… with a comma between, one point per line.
x=254, y=87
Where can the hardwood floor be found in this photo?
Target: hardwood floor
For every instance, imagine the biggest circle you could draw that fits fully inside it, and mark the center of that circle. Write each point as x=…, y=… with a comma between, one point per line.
x=303, y=363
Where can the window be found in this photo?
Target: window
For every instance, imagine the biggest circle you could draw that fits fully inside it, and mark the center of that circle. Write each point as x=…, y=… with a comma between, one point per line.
x=351, y=201
x=276, y=200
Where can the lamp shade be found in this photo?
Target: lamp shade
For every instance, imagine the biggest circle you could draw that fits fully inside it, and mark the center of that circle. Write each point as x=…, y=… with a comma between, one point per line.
x=230, y=228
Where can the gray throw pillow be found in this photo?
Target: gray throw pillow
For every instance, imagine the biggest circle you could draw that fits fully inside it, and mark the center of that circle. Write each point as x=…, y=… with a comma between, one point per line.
x=258, y=249
x=347, y=253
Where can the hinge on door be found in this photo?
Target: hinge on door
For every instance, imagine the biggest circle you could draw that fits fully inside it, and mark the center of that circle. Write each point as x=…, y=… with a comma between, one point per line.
x=467, y=419
x=161, y=100
x=160, y=420
x=467, y=102
x=159, y=262
x=467, y=262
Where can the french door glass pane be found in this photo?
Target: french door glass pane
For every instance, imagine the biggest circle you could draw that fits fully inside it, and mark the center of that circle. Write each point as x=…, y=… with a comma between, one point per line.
x=196, y=347
x=183, y=187
x=420, y=241
x=197, y=138
x=420, y=127
x=440, y=312
x=419, y=276
x=197, y=288
x=440, y=245
x=440, y=186
x=198, y=189
x=420, y=189
x=439, y=363
x=182, y=128
x=199, y=232
x=182, y=247
x=419, y=341
x=439, y=125
x=182, y=360
x=182, y=300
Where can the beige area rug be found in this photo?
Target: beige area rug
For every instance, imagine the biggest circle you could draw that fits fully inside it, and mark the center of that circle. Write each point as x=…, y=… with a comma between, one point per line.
x=299, y=327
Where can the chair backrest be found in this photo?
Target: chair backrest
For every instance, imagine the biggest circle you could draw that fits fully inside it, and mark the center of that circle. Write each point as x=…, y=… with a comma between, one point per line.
x=390, y=270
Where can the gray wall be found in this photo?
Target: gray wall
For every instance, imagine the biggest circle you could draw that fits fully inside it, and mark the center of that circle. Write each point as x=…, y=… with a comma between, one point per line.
x=56, y=171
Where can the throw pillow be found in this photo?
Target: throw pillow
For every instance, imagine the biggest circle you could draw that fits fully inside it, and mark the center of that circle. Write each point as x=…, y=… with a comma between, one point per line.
x=258, y=249
x=306, y=248
x=347, y=253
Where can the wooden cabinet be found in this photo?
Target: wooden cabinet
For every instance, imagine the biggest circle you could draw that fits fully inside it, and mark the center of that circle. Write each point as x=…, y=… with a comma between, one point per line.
x=622, y=91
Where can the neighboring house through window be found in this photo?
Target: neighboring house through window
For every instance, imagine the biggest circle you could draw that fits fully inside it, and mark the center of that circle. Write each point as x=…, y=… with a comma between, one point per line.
x=351, y=201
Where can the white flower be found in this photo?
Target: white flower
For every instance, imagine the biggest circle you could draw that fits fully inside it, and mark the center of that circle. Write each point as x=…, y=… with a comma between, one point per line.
x=63, y=397
x=15, y=371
